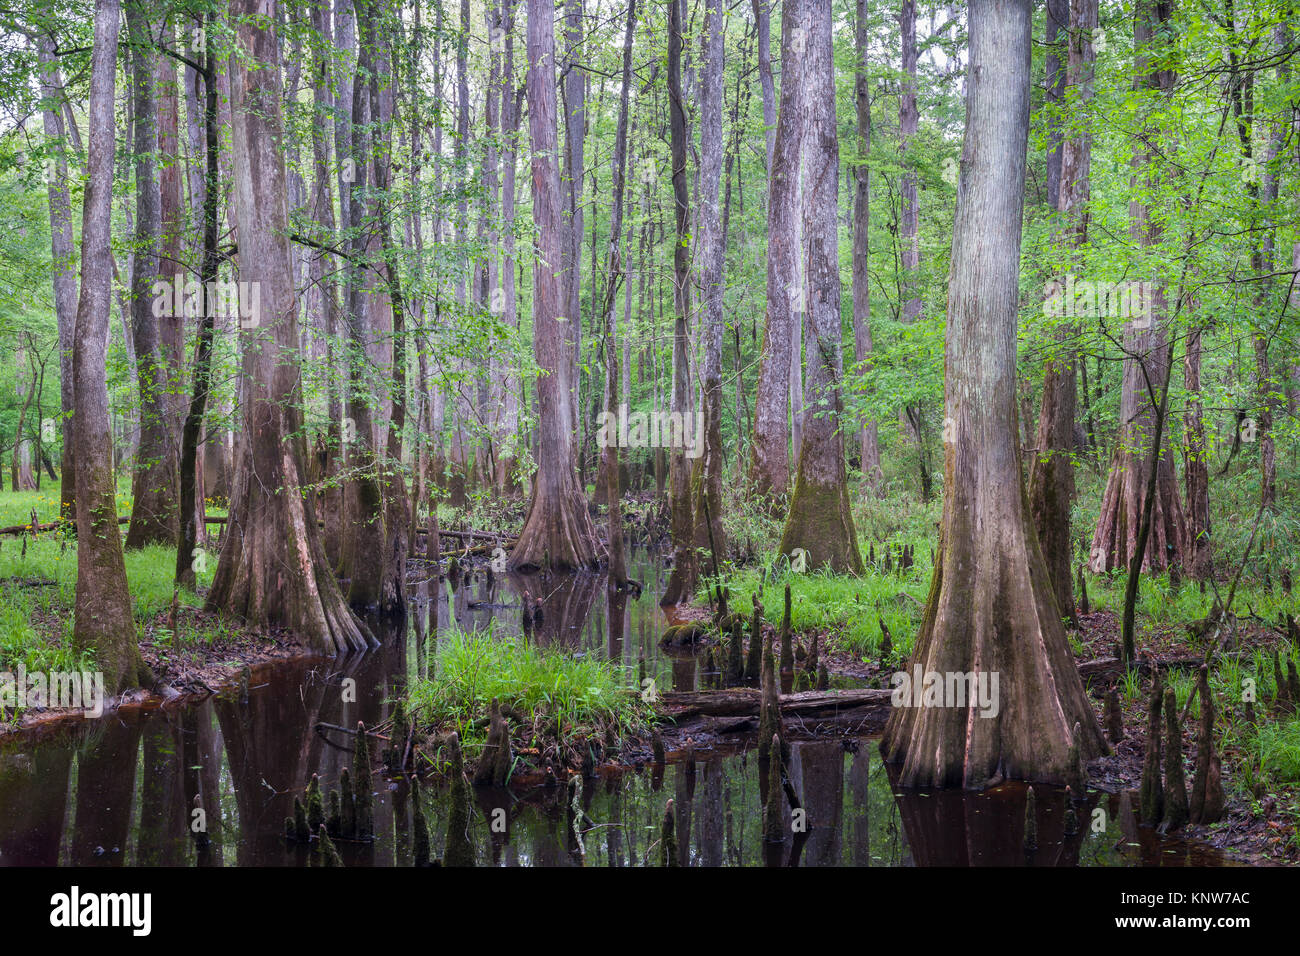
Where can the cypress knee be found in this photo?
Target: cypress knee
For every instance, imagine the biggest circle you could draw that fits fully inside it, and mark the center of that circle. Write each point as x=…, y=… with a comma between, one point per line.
x=754, y=662
x=458, y=850
x=315, y=808
x=787, y=649
x=1175, y=785
x=1030, y=840
x=668, y=838
x=1151, y=798
x=1114, y=716
x=361, y=783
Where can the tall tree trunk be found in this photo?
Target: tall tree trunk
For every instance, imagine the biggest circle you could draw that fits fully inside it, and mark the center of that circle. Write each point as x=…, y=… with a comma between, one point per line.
x=20, y=462
x=171, y=328
x=155, y=479
x=991, y=608
x=820, y=520
x=610, y=456
x=558, y=530
x=462, y=409
x=323, y=265
x=868, y=438
x=368, y=578
x=272, y=569
x=685, y=574
x=1263, y=263
x=1146, y=366
x=908, y=124
x=191, y=503
x=575, y=133
x=909, y=209
x=397, y=517
x=510, y=110
x=1051, y=472
x=707, y=474
x=769, y=472
x=102, y=619
x=763, y=23
x=64, y=266
x=1196, y=467
x=1055, y=23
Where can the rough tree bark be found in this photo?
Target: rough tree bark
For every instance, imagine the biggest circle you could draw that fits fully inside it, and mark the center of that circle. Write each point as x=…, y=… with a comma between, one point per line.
x=102, y=619
x=510, y=110
x=558, y=530
x=397, y=516
x=272, y=569
x=323, y=276
x=171, y=328
x=769, y=472
x=458, y=480
x=575, y=134
x=64, y=273
x=819, y=520
x=868, y=438
x=609, y=463
x=991, y=608
x=191, y=505
x=908, y=124
x=685, y=573
x=369, y=580
x=706, y=478
x=155, y=478
x=763, y=23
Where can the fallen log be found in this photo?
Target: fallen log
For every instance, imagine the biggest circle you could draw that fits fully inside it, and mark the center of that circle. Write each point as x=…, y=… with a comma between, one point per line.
x=744, y=702
x=473, y=535
x=1114, y=667
x=17, y=529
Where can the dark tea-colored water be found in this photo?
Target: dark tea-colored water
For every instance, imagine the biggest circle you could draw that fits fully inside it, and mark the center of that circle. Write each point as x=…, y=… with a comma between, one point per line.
x=133, y=788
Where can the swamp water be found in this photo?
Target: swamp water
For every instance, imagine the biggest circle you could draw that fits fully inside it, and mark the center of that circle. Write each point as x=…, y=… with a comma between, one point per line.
x=125, y=789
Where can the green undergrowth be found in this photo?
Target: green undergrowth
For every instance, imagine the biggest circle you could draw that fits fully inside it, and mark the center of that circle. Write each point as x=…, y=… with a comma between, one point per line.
x=38, y=594
x=1161, y=603
x=845, y=608
x=541, y=688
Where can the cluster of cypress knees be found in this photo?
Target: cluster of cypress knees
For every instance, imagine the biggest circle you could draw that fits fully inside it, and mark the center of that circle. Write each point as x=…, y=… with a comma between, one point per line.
x=773, y=743
x=1167, y=804
x=350, y=813
x=744, y=665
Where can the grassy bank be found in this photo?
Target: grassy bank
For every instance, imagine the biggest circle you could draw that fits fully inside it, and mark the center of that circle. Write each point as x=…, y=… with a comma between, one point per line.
x=38, y=580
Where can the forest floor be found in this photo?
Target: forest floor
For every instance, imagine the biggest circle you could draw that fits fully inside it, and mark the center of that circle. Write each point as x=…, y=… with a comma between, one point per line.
x=195, y=655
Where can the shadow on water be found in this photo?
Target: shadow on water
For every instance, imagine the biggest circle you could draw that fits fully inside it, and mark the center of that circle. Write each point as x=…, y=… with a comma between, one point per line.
x=211, y=783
